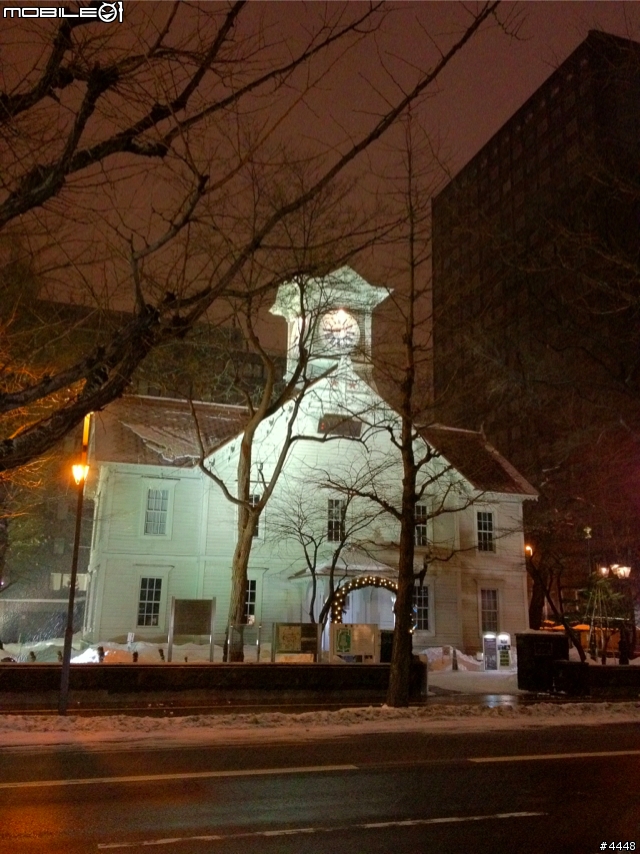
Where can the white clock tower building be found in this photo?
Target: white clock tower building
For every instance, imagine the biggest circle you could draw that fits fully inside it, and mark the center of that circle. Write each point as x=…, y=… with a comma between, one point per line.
x=333, y=315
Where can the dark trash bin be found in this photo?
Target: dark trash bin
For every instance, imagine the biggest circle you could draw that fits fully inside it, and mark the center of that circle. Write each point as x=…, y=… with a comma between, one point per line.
x=571, y=677
x=536, y=653
x=386, y=646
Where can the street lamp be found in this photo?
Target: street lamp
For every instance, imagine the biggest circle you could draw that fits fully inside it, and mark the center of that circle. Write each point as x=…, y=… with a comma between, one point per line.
x=616, y=569
x=622, y=573
x=80, y=472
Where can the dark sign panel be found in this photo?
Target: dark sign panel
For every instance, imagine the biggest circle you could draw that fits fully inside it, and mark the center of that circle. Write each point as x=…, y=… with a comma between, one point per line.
x=192, y=617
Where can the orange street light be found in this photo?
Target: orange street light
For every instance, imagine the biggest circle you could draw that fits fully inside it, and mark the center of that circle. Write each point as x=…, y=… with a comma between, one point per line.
x=80, y=471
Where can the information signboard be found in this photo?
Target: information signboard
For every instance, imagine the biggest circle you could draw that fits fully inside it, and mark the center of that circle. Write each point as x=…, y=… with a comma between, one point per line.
x=355, y=643
x=191, y=617
x=504, y=651
x=295, y=641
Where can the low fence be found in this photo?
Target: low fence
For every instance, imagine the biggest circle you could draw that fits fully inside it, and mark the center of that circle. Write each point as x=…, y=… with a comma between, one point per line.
x=575, y=678
x=261, y=681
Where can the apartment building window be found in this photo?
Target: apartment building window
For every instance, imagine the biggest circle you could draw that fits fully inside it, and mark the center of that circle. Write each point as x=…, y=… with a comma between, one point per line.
x=156, y=512
x=486, y=538
x=421, y=608
x=489, y=610
x=336, y=512
x=250, y=600
x=421, y=519
x=149, y=601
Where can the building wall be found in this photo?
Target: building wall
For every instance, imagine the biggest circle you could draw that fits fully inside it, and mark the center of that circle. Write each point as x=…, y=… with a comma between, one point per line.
x=194, y=557
x=495, y=225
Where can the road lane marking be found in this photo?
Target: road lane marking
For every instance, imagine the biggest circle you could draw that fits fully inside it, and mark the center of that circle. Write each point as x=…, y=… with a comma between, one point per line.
x=546, y=756
x=456, y=819
x=293, y=831
x=186, y=775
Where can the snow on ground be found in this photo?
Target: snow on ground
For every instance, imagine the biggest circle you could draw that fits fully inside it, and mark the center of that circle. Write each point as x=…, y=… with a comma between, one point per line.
x=20, y=731
x=46, y=652
x=95, y=733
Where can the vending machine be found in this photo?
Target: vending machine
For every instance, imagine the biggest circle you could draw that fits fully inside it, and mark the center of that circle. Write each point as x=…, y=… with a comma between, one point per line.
x=504, y=651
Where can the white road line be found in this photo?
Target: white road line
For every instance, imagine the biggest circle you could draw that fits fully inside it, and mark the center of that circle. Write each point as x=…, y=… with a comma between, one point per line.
x=300, y=830
x=185, y=775
x=545, y=756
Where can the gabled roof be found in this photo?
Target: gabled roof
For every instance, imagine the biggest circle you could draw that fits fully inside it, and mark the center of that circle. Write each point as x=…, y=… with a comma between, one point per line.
x=477, y=460
x=160, y=431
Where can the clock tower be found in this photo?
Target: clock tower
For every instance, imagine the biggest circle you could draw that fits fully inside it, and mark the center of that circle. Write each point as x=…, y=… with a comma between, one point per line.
x=333, y=314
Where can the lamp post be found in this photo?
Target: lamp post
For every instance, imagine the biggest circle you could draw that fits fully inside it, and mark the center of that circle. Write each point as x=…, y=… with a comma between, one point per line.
x=622, y=574
x=80, y=472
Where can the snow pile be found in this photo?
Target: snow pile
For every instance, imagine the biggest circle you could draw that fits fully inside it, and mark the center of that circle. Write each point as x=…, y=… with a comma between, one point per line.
x=26, y=730
x=441, y=658
x=48, y=652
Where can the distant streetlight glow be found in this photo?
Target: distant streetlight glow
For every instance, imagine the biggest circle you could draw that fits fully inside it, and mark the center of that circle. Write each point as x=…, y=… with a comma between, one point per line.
x=616, y=569
x=528, y=550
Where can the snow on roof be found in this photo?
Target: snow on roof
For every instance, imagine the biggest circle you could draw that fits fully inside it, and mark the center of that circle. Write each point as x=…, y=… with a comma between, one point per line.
x=161, y=431
x=477, y=460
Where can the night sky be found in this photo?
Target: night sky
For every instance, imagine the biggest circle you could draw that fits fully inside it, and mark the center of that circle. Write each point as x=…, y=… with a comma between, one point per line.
x=495, y=75
x=482, y=87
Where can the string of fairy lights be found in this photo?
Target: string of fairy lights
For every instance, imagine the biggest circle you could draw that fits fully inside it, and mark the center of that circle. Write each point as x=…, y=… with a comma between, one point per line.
x=340, y=596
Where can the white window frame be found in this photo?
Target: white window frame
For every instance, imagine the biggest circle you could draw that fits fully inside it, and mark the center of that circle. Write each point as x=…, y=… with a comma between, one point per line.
x=154, y=584
x=159, y=484
x=340, y=522
x=421, y=528
x=258, y=533
x=488, y=586
x=163, y=572
x=252, y=593
x=430, y=632
x=492, y=513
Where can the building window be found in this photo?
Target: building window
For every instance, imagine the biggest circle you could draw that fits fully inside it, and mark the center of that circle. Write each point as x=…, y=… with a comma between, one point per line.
x=421, y=525
x=156, y=512
x=149, y=601
x=489, y=610
x=486, y=540
x=336, y=511
x=421, y=608
x=254, y=499
x=250, y=601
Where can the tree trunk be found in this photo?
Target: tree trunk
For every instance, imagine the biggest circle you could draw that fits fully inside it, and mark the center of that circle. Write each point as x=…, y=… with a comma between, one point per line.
x=400, y=672
x=237, y=617
x=242, y=551
x=4, y=533
x=536, y=606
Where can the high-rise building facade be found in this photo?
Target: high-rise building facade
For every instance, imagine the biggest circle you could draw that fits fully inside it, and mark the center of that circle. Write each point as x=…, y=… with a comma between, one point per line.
x=536, y=295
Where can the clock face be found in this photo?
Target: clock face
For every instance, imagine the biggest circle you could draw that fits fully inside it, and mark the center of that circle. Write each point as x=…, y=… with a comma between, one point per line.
x=340, y=330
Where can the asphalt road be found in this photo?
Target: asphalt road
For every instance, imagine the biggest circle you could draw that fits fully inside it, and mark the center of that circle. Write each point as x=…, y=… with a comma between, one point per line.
x=564, y=789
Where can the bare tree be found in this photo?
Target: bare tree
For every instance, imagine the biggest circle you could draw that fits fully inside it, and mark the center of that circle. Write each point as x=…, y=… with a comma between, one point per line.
x=273, y=402
x=298, y=519
x=412, y=470
x=126, y=151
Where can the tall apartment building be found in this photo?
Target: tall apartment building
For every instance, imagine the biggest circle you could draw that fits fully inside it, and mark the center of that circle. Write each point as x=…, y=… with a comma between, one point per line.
x=536, y=304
